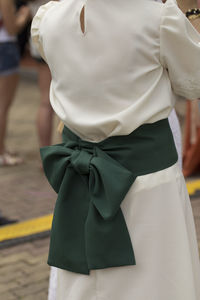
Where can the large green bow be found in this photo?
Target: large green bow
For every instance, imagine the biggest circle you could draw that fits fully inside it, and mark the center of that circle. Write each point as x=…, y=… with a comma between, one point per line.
x=89, y=230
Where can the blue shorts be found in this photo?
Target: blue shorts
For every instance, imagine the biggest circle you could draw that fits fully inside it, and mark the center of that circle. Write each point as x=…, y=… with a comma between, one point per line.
x=9, y=58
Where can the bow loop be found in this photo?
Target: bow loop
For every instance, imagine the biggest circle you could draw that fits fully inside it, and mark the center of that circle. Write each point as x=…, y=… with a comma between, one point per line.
x=55, y=161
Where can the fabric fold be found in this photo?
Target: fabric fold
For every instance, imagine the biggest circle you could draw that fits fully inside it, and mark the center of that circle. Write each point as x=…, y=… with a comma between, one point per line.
x=92, y=179
x=98, y=176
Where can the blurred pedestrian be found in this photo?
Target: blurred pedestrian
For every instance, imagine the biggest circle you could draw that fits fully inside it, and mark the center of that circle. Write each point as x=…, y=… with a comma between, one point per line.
x=11, y=23
x=191, y=154
x=24, y=35
x=45, y=112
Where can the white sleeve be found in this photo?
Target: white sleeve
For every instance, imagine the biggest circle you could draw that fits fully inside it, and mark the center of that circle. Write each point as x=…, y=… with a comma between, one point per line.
x=35, y=26
x=180, y=51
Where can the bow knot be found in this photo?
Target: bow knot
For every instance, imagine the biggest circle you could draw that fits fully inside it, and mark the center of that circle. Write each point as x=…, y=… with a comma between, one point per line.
x=80, y=161
x=89, y=230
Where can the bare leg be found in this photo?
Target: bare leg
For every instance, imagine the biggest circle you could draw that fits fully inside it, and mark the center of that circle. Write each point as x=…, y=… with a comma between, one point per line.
x=8, y=85
x=45, y=113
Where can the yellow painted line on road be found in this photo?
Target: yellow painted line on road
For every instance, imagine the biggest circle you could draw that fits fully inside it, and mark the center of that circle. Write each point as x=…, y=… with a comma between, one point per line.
x=193, y=187
x=26, y=228
x=43, y=224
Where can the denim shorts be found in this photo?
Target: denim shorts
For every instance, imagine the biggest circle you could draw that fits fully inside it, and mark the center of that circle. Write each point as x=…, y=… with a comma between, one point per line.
x=9, y=58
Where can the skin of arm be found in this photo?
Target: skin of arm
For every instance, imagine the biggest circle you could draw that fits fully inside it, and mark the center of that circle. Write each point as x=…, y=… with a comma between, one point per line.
x=13, y=22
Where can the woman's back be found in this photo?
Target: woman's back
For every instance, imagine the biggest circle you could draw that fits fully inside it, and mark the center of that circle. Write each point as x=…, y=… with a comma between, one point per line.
x=107, y=80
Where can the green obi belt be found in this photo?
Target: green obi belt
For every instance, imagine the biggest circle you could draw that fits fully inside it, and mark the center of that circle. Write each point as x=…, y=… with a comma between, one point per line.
x=92, y=179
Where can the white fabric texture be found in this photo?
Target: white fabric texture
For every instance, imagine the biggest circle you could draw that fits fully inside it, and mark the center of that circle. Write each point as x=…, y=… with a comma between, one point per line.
x=159, y=218
x=123, y=78
x=174, y=124
x=175, y=127
x=34, y=6
x=176, y=130
x=53, y=283
x=103, y=86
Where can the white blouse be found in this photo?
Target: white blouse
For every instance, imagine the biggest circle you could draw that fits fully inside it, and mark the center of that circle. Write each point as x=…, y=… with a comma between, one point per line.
x=124, y=70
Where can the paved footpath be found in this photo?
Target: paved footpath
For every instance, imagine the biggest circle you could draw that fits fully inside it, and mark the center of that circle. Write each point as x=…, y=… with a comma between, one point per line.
x=26, y=194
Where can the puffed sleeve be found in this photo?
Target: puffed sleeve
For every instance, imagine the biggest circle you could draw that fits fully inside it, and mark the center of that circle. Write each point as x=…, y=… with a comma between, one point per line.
x=180, y=51
x=35, y=26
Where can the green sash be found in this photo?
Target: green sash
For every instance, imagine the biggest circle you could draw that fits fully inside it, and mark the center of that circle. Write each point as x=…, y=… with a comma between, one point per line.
x=89, y=230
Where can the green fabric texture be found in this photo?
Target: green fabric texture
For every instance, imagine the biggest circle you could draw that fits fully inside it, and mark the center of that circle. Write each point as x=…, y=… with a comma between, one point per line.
x=89, y=230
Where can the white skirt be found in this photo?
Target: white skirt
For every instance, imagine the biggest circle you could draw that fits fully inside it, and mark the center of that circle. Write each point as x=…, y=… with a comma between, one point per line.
x=159, y=217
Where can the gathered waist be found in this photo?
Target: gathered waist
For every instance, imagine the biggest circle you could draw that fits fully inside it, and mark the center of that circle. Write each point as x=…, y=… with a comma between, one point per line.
x=147, y=149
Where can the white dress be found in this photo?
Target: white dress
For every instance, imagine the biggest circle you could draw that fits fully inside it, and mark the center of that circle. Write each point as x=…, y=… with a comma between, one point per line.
x=176, y=131
x=103, y=85
x=175, y=127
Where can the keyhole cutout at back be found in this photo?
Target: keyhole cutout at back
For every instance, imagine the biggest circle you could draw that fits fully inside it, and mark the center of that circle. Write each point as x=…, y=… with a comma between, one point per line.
x=82, y=20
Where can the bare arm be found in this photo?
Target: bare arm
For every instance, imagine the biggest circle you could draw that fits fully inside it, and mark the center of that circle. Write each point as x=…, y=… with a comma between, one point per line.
x=13, y=22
